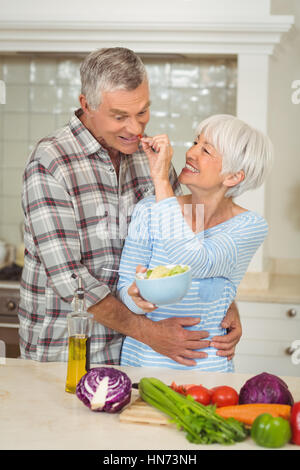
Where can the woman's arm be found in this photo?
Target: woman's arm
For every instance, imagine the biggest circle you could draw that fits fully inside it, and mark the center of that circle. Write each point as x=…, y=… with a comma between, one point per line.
x=137, y=250
x=208, y=257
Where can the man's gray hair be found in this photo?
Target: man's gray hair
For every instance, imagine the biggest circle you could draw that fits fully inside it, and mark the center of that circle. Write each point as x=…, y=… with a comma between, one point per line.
x=111, y=69
x=242, y=148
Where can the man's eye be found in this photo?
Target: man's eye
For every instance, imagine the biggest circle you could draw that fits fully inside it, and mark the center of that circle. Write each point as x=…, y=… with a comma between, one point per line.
x=195, y=143
x=205, y=150
x=119, y=118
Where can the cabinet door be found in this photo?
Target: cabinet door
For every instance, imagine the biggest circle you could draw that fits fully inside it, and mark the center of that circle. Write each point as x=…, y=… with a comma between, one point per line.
x=269, y=331
x=9, y=327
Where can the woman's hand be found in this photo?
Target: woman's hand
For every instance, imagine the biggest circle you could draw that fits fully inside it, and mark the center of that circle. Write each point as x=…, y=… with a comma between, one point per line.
x=135, y=294
x=226, y=344
x=159, y=152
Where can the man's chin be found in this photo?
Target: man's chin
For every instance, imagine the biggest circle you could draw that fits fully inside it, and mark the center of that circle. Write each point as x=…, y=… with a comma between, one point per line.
x=127, y=147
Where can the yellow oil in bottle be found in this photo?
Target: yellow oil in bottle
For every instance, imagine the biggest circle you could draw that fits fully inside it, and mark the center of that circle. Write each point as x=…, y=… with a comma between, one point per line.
x=78, y=360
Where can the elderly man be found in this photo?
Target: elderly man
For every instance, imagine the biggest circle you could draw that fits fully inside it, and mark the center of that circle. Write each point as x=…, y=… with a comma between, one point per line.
x=81, y=184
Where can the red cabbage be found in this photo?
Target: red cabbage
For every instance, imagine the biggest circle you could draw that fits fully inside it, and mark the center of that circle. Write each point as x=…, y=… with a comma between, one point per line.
x=265, y=388
x=104, y=389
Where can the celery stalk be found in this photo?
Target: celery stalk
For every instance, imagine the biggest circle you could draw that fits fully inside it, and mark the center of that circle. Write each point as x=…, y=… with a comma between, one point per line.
x=201, y=423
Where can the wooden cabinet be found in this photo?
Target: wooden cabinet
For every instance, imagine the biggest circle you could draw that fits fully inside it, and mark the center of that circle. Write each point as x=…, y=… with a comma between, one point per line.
x=9, y=323
x=269, y=332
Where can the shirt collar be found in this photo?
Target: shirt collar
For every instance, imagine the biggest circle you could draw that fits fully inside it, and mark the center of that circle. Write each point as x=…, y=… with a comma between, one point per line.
x=86, y=140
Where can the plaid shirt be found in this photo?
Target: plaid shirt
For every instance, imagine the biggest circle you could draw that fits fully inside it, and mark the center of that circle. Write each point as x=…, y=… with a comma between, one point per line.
x=76, y=216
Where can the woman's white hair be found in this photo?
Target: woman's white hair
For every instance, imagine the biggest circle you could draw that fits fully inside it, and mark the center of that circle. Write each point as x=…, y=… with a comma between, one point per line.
x=111, y=69
x=242, y=148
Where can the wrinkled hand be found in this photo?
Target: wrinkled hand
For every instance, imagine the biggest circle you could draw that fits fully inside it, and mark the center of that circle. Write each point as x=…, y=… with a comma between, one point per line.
x=171, y=338
x=159, y=152
x=226, y=344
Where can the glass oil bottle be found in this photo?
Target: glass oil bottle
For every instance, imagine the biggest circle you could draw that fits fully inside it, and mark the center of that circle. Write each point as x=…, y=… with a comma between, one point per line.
x=79, y=330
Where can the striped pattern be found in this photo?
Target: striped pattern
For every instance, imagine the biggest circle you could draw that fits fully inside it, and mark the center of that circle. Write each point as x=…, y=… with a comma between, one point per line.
x=219, y=258
x=76, y=218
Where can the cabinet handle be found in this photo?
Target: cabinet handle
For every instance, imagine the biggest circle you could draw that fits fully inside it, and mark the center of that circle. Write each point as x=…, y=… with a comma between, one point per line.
x=290, y=350
x=11, y=305
x=292, y=312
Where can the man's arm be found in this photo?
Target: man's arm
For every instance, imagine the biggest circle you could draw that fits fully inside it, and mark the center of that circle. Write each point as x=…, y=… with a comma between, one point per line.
x=167, y=337
x=51, y=218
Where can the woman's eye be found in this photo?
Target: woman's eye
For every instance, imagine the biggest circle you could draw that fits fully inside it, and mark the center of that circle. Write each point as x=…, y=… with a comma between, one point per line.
x=195, y=143
x=206, y=151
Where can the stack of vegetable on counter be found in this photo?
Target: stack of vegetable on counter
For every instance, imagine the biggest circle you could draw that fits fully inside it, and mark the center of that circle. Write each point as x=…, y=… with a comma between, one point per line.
x=264, y=407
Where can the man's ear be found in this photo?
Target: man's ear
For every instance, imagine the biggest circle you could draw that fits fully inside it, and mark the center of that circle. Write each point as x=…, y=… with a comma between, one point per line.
x=234, y=178
x=84, y=104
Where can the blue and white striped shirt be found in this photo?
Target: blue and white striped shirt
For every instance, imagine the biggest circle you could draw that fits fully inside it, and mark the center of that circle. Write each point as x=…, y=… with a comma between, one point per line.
x=219, y=256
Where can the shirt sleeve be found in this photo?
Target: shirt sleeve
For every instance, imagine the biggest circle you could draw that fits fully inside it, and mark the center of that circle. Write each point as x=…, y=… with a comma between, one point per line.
x=50, y=214
x=137, y=250
x=174, y=181
x=213, y=256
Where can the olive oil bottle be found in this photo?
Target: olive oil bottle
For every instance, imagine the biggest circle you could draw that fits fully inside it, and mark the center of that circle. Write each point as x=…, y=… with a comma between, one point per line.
x=79, y=329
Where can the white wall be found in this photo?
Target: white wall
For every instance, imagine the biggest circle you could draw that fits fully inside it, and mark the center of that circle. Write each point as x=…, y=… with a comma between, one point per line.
x=282, y=192
x=283, y=189
x=130, y=10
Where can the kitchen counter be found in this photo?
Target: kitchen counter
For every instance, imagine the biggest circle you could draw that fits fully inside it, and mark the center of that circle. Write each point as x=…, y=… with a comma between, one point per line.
x=282, y=289
x=36, y=412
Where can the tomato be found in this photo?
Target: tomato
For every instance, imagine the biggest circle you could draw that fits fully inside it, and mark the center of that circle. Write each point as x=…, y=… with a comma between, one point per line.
x=200, y=394
x=224, y=396
x=178, y=388
x=181, y=388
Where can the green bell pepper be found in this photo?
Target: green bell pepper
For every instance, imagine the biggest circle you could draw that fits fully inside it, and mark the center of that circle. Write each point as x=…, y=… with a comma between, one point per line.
x=268, y=431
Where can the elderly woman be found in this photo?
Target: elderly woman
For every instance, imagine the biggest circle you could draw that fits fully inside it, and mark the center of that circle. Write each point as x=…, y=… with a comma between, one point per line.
x=227, y=158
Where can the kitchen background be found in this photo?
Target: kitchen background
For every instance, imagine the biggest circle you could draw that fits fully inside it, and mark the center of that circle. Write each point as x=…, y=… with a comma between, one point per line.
x=42, y=92
x=42, y=87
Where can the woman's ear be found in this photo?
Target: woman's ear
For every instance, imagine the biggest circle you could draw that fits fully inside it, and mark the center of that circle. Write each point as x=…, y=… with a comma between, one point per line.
x=233, y=179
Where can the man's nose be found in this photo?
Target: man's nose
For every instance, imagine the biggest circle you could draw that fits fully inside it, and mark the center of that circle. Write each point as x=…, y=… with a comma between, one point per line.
x=134, y=126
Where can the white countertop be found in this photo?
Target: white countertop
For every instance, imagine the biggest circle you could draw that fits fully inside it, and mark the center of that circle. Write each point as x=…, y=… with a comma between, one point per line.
x=282, y=289
x=37, y=413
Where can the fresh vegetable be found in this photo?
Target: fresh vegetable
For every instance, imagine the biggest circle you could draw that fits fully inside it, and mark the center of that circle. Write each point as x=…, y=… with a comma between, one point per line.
x=295, y=423
x=104, y=389
x=268, y=431
x=165, y=271
x=200, y=394
x=181, y=388
x=224, y=396
x=248, y=413
x=265, y=388
x=201, y=424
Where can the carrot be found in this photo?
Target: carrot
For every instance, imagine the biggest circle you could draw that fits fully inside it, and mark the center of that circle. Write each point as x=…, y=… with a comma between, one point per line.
x=248, y=412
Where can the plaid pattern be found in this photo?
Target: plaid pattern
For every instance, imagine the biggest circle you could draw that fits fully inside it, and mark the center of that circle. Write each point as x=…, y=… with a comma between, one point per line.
x=76, y=216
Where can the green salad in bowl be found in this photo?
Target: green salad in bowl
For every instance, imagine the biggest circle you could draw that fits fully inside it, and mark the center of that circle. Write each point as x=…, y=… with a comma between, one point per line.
x=164, y=285
x=165, y=271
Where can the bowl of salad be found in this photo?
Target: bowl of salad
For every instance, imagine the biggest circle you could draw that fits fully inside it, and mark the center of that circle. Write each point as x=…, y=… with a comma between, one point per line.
x=165, y=285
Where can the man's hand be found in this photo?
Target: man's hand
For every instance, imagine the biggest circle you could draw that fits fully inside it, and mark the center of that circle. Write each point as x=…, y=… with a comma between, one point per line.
x=226, y=344
x=170, y=338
